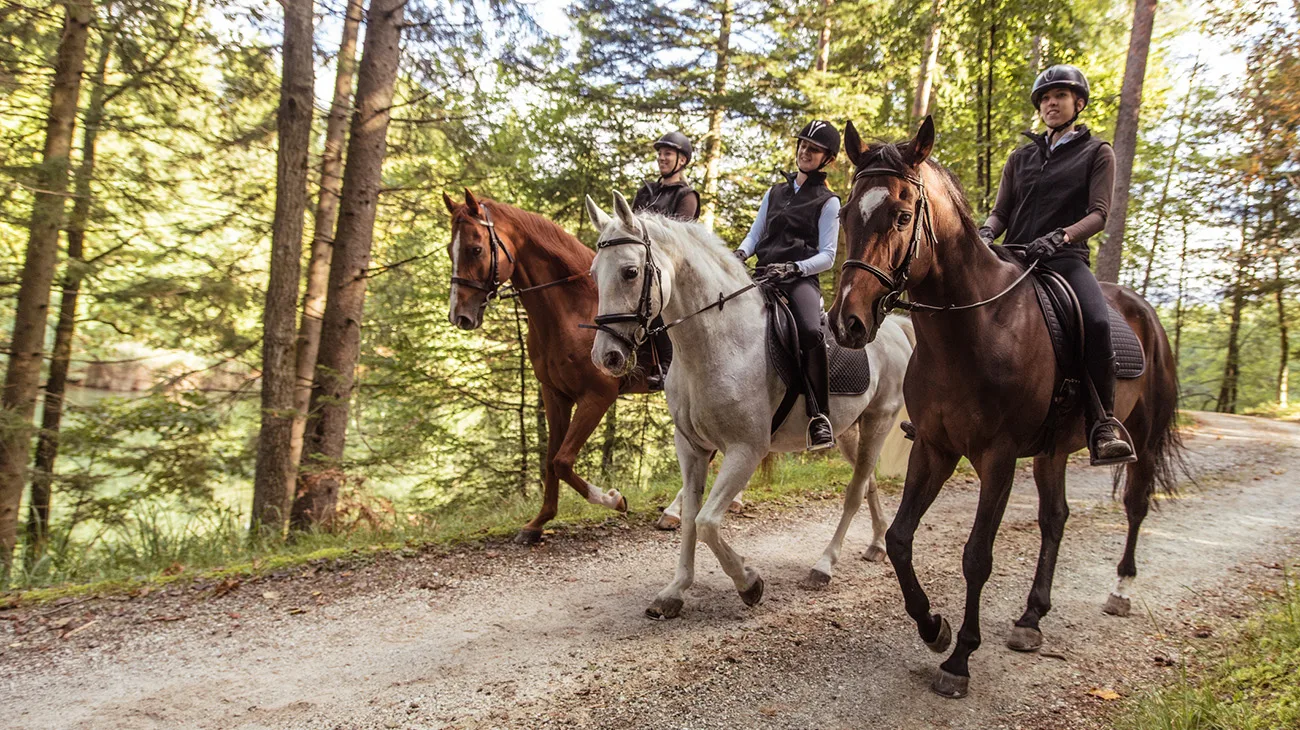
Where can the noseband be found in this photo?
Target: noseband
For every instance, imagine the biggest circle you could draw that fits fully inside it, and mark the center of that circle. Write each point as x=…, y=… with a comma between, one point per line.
x=644, y=314
x=493, y=285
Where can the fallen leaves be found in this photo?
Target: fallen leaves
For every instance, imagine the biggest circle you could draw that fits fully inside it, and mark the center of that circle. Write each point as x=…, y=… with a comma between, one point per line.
x=1104, y=694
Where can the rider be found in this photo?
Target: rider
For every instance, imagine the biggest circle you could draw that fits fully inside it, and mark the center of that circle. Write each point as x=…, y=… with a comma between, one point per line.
x=795, y=234
x=674, y=197
x=1054, y=194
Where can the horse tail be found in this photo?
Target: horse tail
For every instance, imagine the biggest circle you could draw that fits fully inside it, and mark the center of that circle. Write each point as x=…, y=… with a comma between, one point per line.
x=1158, y=469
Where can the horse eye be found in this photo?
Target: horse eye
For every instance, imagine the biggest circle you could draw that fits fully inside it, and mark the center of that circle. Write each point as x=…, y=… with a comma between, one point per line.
x=629, y=273
x=476, y=251
x=904, y=219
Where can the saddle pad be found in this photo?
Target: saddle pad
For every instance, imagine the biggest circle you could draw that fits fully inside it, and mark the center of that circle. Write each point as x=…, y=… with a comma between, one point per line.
x=850, y=370
x=1058, y=308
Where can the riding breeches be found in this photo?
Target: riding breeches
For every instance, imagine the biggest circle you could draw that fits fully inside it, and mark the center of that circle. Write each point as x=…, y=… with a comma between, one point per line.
x=805, y=296
x=1099, y=354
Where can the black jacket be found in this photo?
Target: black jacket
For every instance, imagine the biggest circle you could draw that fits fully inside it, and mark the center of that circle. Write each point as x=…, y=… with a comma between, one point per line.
x=1050, y=189
x=667, y=200
x=790, y=232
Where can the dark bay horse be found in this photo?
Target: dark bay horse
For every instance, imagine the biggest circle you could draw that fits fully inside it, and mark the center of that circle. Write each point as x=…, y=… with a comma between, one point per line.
x=981, y=381
x=493, y=243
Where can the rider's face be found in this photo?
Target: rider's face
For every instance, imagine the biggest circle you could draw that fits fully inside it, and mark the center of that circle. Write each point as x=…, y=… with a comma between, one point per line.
x=1057, y=106
x=668, y=160
x=809, y=156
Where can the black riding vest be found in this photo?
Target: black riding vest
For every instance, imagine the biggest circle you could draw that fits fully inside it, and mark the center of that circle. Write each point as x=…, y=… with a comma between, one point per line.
x=657, y=197
x=1050, y=188
x=790, y=232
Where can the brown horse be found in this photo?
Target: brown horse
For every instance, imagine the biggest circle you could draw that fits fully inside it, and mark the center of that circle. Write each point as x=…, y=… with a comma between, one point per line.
x=493, y=243
x=981, y=382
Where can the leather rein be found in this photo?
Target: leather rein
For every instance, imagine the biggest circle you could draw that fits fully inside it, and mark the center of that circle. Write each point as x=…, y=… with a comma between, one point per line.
x=922, y=225
x=494, y=284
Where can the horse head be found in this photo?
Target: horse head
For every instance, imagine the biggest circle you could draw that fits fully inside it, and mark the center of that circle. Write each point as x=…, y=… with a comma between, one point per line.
x=481, y=260
x=886, y=220
x=633, y=281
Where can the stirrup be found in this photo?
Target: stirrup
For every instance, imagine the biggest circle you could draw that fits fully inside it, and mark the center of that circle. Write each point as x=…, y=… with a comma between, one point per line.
x=1121, y=433
x=829, y=429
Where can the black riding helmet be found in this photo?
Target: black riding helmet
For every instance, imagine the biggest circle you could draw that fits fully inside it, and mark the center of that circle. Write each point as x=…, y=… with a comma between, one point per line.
x=824, y=135
x=676, y=141
x=1063, y=76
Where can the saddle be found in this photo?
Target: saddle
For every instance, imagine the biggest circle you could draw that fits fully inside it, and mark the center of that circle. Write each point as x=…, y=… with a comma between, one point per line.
x=850, y=370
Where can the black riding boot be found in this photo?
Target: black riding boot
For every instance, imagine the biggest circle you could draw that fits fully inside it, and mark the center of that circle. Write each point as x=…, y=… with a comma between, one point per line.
x=816, y=370
x=1104, y=441
x=657, y=373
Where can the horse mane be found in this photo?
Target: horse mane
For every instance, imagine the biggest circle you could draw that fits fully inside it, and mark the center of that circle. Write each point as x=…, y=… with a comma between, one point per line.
x=699, y=242
x=546, y=234
x=891, y=154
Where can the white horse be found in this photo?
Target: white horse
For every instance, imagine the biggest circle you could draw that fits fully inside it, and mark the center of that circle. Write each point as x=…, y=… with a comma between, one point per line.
x=721, y=389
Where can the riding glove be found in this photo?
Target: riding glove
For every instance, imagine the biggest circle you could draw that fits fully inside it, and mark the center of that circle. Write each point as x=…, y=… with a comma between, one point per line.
x=986, y=235
x=740, y=255
x=1045, y=246
x=784, y=270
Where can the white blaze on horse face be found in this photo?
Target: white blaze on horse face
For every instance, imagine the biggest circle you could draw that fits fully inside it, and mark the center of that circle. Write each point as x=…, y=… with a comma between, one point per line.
x=455, y=266
x=870, y=201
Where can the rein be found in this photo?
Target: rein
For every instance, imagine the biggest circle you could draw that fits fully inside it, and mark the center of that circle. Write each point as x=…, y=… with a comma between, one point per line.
x=897, y=280
x=493, y=286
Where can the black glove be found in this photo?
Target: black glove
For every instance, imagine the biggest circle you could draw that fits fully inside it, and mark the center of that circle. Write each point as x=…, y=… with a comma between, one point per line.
x=1045, y=246
x=784, y=270
x=986, y=235
x=740, y=255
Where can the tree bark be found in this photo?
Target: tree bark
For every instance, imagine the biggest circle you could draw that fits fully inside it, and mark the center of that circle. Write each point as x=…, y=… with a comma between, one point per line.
x=929, y=63
x=988, y=120
x=275, y=468
x=1182, y=293
x=1283, y=367
x=327, y=215
x=1111, y=253
x=47, y=441
x=824, y=38
x=1227, y=401
x=321, y=477
x=713, y=145
x=28, y=341
x=1169, y=176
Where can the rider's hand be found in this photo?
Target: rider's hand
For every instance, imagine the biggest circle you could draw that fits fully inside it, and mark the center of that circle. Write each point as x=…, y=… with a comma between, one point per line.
x=784, y=270
x=1045, y=246
x=739, y=254
x=986, y=235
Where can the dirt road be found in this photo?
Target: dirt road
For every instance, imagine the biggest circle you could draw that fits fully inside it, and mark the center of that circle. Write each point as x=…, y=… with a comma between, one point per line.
x=501, y=636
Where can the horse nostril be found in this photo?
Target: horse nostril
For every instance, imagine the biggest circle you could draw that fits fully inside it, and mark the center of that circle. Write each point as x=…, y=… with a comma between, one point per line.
x=464, y=322
x=855, y=326
x=613, y=360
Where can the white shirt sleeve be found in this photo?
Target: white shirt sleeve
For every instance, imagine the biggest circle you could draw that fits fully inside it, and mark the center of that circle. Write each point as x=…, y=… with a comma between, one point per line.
x=757, y=230
x=828, y=238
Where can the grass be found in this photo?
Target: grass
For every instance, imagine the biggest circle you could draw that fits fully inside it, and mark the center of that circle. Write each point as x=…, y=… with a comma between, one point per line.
x=1253, y=685
x=152, y=548
x=1273, y=410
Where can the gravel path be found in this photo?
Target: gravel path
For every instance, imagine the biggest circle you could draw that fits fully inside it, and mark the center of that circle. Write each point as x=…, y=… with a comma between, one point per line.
x=503, y=636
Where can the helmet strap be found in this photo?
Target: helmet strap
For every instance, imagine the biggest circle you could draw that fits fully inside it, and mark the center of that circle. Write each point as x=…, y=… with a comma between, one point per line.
x=680, y=166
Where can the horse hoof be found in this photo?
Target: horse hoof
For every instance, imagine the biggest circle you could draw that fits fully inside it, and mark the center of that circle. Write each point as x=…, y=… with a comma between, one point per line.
x=874, y=555
x=1024, y=638
x=668, y=523
x=664, y=608
x=736, y=507
x=1117, y=606
x=528, y=536
x=941, y=642
x=815, y=581
x=950, y=685
x=753, y=594
x=622, y=505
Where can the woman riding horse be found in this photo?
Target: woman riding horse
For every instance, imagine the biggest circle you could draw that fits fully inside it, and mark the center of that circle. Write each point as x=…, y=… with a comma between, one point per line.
x=795, y=234
x=1054, y=194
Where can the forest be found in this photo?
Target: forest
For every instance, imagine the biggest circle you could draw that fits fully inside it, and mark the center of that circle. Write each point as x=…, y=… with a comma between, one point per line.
x=196, y=374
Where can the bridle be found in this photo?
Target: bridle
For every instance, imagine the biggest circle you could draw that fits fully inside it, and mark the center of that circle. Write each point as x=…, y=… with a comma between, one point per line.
x=896, y=281
x=644, y=314
x=494, y=284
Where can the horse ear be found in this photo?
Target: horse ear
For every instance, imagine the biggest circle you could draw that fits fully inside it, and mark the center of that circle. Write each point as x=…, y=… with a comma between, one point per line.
x=599, y=218
x=451, y=204
x=854, y=145
x=624, y=211
x=923, y=142
x=471, y=202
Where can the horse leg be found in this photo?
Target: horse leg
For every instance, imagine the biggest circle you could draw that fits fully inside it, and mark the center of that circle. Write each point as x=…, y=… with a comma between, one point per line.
x=1139, y=481
x=694, y=463
x=591, y=409
x=738, y=466
x=671, y=518
x=559, y=409
x=862, y=453
x=996, y=472
x=1053, y=511
x=927, y=469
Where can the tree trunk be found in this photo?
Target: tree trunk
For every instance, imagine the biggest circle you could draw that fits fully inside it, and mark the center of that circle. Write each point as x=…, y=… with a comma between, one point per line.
x=47, y=441
x=320, y=479
x=275, y=468
x=522, y=349
x=824, y=38
x=929, y=64
x=1111, y=253
x=713, y=145
x=327, y=215
x=988, y=121
x=1182, y=292
x=1227, y=401
x=28, y=341
x=1169, y=176
x=1283, y=373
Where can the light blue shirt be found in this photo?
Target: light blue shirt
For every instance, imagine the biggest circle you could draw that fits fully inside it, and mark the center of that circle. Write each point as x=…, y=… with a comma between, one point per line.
x=828, y=236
